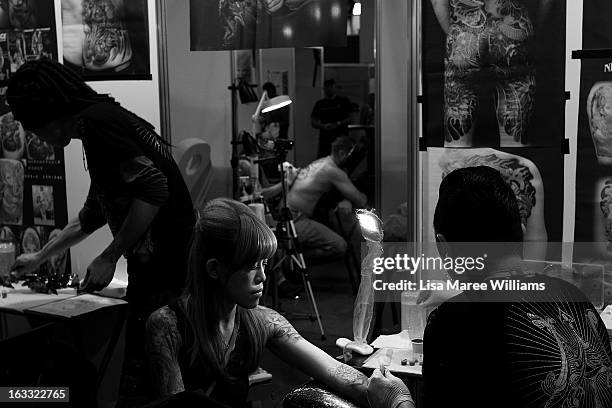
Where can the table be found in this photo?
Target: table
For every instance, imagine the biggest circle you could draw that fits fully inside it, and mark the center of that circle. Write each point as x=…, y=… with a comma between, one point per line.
x=83, y=335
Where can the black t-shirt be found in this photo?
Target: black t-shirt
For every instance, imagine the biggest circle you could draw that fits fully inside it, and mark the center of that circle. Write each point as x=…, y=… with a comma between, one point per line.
x=126, y=160
x=331, y=111
x=527, y=350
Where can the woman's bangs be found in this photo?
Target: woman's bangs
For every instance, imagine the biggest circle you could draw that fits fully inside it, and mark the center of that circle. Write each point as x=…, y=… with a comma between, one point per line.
x=255, y=242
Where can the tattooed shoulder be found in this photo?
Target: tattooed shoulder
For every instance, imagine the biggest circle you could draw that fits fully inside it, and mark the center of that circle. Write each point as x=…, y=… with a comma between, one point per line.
x=278, y=327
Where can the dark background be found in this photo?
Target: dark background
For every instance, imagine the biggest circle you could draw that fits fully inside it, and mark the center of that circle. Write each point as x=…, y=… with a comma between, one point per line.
x=548, y=55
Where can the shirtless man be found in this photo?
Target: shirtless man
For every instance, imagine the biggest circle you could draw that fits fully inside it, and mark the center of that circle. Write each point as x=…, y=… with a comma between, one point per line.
x=487, y=38
x=305, y=188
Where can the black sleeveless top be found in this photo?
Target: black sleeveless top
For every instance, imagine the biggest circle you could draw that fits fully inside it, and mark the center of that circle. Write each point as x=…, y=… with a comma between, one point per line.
x=232, y=392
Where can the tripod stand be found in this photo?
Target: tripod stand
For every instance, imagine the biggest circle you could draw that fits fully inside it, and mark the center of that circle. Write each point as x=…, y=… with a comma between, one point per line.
x=289, y=249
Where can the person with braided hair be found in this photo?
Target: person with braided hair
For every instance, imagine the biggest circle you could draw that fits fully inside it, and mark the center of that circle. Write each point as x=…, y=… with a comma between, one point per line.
x=136, y=188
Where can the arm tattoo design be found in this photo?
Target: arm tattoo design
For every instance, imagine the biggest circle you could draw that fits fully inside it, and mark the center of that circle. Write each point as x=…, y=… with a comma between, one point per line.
x=516, y=174
x=605, y=205
x=599, y=110
x=163, y=343
x=348, y=376
x=279, y=328
x=488, y=36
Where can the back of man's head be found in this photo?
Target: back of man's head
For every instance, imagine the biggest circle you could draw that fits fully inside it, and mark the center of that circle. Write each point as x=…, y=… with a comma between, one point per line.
x=270, y=89
x=341, y=147
x=476, y=205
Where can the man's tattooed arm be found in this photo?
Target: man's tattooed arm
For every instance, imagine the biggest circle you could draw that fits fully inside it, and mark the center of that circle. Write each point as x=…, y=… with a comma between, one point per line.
x=290, y=346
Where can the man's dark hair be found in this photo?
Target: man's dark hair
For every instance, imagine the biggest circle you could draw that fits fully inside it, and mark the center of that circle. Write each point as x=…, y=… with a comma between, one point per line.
x=342, y=144
x=476, y=205
x=270, y=88
x=329, y=82
x=44, y=90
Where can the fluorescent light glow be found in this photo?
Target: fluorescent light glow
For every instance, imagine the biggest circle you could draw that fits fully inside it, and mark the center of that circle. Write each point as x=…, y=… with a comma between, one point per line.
x=357, y=9
x=288, y=32
x=371, y=226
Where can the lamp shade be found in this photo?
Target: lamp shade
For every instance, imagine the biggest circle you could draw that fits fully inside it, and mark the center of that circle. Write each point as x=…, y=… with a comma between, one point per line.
x=275, y=103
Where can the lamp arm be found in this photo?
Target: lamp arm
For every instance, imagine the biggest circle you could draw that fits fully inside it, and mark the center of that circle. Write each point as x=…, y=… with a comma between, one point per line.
x=264, y=98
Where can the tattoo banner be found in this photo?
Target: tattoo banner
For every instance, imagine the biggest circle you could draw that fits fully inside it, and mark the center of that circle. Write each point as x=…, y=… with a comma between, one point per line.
x=594, y=156
x=106, y=39
x=533, y=175
x=493, y=72
x=250, y=24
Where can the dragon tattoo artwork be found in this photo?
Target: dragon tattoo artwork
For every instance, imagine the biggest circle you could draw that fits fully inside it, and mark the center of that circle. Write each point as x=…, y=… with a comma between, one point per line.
x=584, y=372
x=489, y=37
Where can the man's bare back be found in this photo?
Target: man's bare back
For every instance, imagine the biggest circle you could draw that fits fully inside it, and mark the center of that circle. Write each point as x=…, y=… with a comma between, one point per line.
x=311, y=183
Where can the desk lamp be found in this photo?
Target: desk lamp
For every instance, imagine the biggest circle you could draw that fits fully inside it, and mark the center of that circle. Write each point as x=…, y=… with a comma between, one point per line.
x=267, y=104
x=372, y=232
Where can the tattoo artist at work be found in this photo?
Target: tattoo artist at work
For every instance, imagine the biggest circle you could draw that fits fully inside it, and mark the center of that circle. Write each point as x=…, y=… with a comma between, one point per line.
x=214, y=336
x=136, y=187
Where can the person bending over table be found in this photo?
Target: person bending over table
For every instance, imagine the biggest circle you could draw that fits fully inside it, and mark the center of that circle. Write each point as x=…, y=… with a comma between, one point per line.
x=306, y=186
x=214, y=336
x=136, y=188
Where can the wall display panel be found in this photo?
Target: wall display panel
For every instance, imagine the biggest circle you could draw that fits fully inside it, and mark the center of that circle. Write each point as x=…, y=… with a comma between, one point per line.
x=594, y=162
x=493, y=72
x=32, y=174
x=535, y=176
x=106, y=39
x=27, y=33
x=238, y=24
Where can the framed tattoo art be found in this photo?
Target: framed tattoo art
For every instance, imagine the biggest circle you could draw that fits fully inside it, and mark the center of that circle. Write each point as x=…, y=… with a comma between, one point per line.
x=106, y=39
x=493, y=72
x=250, y=24
x=535, y=176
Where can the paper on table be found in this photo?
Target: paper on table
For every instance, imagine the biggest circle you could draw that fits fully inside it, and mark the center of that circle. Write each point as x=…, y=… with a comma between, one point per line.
x=77, y=305
x=22, y=297
x=398, y=341
x=397, y=355
x=116, y=289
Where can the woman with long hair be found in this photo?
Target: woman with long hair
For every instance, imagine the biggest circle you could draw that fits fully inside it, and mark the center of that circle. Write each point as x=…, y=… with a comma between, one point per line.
x=214, y=335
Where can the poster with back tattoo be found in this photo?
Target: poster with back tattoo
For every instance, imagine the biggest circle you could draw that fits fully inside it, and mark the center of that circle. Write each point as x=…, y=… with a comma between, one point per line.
x=493, y=72
x=106, y=39
x=535, y=176
x=594, y=155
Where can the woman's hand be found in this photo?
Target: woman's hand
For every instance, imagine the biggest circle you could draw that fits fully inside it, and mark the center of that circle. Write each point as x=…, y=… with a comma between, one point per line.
x=388, y=391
